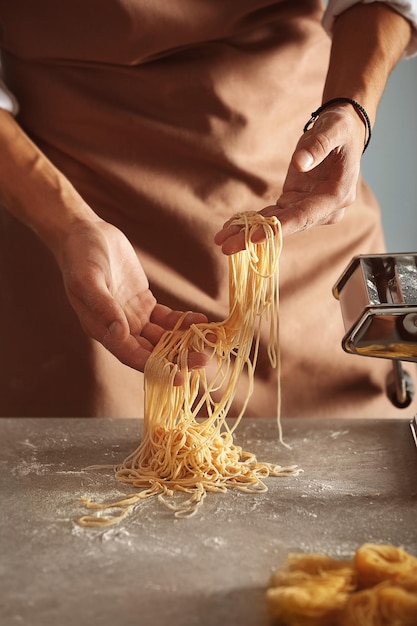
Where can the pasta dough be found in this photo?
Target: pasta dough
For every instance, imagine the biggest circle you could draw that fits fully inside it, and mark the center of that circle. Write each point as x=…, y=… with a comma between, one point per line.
x=180, y=451
x=377, y=588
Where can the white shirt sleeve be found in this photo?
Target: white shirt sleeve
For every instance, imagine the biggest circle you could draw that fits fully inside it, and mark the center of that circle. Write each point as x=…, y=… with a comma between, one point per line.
x=407, y=8
x=7, y=99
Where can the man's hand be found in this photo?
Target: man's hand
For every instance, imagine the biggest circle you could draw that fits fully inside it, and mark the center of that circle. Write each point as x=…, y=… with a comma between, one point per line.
x=321, y=180
x=110, y=293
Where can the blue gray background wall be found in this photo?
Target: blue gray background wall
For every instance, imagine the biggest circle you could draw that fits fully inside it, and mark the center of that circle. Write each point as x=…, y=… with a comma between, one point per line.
x=390, y=163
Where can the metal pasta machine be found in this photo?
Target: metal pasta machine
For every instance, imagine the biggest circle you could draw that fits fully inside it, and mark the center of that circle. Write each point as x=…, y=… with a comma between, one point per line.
x=378, y=299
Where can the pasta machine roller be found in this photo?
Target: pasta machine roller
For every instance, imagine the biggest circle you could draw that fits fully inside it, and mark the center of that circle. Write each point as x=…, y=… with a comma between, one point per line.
x=378, y=299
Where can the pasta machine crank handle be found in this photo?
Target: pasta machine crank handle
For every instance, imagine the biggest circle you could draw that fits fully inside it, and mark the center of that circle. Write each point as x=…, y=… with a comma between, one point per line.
x=400, y=386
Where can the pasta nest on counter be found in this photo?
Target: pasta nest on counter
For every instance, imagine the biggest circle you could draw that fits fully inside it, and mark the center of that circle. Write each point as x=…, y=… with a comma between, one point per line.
x=377, y=588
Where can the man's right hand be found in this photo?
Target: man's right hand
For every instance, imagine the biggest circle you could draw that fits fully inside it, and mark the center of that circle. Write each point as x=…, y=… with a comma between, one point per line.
x=108, y=289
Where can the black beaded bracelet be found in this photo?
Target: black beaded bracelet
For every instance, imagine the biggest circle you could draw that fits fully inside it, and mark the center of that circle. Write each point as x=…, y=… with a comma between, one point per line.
x=359, y=108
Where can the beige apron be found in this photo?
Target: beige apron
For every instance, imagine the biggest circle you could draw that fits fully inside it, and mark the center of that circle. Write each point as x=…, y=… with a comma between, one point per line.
x=169, y=117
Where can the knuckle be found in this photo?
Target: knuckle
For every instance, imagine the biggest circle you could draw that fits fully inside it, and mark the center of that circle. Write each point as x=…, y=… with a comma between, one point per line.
x=322, y=143
x=349, y=196
x=307, y=222
x=336, y=217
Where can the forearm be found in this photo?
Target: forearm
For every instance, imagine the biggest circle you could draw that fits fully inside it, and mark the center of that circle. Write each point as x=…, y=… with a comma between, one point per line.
x=368, y=40
x=34, y=190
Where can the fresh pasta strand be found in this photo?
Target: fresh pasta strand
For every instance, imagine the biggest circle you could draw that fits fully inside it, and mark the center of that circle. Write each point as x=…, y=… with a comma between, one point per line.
x=180, y=451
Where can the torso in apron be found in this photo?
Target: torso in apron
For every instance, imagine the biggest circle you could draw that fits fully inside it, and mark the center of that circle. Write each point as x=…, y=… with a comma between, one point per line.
x=170, y=117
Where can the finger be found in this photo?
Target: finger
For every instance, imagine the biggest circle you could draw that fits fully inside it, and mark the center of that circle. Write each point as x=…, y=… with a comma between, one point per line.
x=97, y=310
x=233, y=244
x=130, y=350
x=312, y=149
x=111, y=319
x=306, y=214
x=331, y=131
x=191, y=318
x=152, y=333
x=237, y=242
x=226, y=232
x=196, y=360
x=135, y=352
x=166, y=318
x=303, y=160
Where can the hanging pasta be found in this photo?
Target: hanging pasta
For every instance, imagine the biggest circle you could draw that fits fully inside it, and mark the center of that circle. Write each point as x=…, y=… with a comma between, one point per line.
x=181, y=451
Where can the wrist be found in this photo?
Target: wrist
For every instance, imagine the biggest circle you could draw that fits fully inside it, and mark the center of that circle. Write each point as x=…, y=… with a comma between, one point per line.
x=340, y=102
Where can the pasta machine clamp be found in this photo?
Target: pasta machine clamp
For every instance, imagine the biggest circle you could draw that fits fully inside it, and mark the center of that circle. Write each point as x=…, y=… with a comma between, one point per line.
x=378, y=299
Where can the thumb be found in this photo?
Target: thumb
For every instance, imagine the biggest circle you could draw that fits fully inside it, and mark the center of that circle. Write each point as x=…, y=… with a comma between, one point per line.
x=100, y=315
x=303, y=160
x=313, y=148
x=317, y=143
